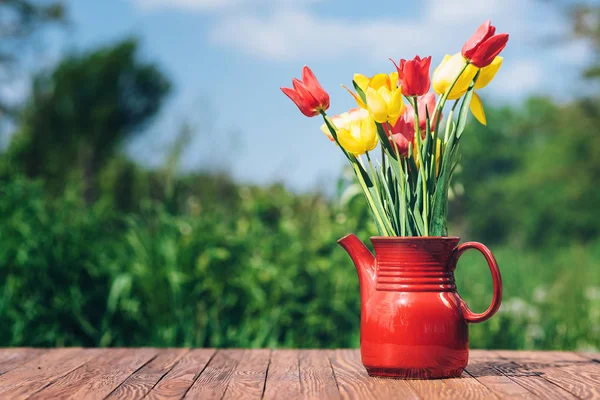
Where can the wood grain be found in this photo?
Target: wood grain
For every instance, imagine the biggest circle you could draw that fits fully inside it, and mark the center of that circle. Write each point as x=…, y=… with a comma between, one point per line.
x=142, y=381
x=98, y=377
x=354, y=382
x=465, y=387
x=569, y=371
x=590, y=356
x=215, y=378
x=282, y=374
x=248, y=381
x=530, y=380
x=283, y=379
x=316, y=375
x=28, y=379
x=481, y=367
x=12, y=358
x=178, y=380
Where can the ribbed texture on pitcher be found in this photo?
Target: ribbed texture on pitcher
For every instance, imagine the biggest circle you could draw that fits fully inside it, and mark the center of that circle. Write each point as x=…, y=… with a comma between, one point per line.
x=414, y=264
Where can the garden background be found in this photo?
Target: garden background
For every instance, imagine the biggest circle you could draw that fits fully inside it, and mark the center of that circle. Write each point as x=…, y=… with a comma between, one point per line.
x=100, y=249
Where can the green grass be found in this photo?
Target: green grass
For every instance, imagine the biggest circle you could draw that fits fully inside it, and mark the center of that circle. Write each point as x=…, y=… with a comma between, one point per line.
x=265, y=271
x=551, y=298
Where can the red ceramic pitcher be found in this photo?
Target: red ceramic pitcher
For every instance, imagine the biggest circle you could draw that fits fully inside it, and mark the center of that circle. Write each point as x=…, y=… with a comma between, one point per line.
x=413, y=322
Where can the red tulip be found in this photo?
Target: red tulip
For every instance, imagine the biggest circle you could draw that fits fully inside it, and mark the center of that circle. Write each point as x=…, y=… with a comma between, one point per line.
x=403, y=132
x=308, y=94
x=484, y=45
x=414, y=75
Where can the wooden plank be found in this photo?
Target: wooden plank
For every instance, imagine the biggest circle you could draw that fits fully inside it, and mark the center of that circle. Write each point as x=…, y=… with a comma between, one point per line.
x=178, y=380
x=283, y=379
x=569, y=371
x=465, y=387
x=248, y=381
x=590, y=356
x=213, y=381
x=354, y=382
x=14, y=357
x=142, y=381
x=316, y=375
x=98, y=377
x=481, y=367
x=530, y=380
x=28, y=379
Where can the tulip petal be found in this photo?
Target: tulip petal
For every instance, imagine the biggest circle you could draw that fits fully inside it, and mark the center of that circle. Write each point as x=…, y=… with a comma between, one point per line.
x=376, y=105
x=380, y=80
x=394, y=80
x=488, y=73
x=396, y=105
x=445, y=74
x=485, y=31
x=314, y=87
x=489, y=49
x=300, y=102
x=357, y=98
x=362, y=81
x=309, y=105
x=369, y=133
x=325, y=130
x=477, y=109
x=348, y=141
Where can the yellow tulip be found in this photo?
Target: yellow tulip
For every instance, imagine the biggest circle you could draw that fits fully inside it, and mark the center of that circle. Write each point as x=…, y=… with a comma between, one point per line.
x=359, y=137
x=476, y=107
x=445, y=74
x=376, y=82
x=343, y=120
x=488, y=73
x=448, y=70
x=385, y=105
x=485, y=77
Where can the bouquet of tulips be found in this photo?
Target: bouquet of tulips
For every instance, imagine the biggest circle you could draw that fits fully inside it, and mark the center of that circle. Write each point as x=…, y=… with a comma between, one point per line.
x=407, y=189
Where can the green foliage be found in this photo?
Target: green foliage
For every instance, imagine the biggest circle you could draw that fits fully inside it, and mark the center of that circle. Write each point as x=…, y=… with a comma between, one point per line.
x=265, y=272
x=531, y=176
x=157, y=259
x=80, y=112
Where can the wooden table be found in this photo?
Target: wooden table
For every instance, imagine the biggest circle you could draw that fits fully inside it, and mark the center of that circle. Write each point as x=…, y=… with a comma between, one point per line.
x=281, y=374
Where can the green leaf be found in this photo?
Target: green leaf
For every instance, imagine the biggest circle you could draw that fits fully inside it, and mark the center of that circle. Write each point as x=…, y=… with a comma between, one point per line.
x=385, y=142
x=363, y=172
x=359, y=91
x=464, y=108
x=416, y=214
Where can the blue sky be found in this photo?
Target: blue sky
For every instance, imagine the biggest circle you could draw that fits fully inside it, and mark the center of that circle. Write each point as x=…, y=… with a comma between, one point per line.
x=228, y=58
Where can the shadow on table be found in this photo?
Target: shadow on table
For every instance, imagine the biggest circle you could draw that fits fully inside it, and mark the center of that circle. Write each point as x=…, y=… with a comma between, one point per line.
x=523, y=367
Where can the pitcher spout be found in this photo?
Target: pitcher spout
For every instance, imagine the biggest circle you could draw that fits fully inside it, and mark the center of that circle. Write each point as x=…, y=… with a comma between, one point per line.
x=363, y=260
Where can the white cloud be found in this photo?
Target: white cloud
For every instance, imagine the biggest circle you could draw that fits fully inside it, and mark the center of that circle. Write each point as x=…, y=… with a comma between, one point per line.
x=297, y=34
x=300, y=34
x=519, y=77
x=208, y=5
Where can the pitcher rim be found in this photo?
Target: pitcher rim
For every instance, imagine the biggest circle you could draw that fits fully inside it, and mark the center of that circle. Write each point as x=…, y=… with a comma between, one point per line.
x=407, y=238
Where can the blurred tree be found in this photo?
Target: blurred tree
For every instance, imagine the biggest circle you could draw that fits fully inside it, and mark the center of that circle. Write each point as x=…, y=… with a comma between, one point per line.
x=20, y=20
x=79, y=114
x=530, y=177
x=586, y=24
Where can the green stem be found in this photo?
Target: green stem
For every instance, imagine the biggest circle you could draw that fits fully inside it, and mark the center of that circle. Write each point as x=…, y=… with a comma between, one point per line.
x=423, y=169
x=356, y=167
x=367, y=193
x=442, y=100
x=379, y=201
x=402, y=187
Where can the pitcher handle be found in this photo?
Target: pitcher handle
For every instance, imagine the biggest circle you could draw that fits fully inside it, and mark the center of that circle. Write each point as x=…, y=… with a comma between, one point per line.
x=469, y=315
